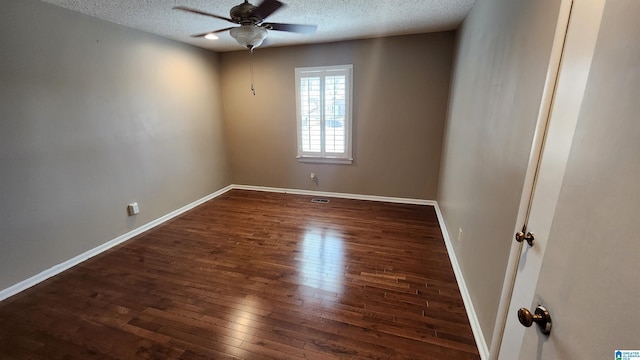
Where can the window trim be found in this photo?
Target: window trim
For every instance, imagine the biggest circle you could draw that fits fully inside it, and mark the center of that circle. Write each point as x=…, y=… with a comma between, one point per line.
x=331, y=158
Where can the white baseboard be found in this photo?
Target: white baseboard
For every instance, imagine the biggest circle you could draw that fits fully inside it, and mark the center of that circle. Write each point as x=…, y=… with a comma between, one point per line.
x=483, y=349
x=57, y=269
x=337, y=195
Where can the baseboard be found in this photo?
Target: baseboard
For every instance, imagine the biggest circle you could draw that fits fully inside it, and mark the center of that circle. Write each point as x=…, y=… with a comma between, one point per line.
x=57, y=269
x=483, y=349
x=337, y=195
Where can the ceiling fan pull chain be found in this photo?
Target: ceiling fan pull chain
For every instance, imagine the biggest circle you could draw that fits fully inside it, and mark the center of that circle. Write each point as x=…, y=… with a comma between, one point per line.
x=251, y=67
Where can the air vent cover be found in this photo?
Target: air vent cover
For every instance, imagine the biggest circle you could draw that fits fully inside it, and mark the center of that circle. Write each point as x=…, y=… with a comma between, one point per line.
x=319, y=200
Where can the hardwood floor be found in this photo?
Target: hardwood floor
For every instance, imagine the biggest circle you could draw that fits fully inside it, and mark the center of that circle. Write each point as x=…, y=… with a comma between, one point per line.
x=255, y=275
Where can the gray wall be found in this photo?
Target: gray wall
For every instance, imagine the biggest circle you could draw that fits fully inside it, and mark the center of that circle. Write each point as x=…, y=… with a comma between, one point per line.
x=400, y=94
x=590, y=272
x=500, y=65
x=93, y=116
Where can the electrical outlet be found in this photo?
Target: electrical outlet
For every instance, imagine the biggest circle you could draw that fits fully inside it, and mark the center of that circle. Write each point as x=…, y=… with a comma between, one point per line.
x=313, y=177
x=459, y=235
x=133, y=209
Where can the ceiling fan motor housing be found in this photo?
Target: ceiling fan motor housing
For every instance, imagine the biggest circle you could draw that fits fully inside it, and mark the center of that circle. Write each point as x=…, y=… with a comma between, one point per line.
x=243, y=14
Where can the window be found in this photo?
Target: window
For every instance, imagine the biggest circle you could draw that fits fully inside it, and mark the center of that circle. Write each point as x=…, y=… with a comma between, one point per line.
x=323, y=106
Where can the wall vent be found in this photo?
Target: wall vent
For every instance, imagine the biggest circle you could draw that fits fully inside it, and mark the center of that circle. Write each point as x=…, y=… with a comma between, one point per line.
x=319, y=200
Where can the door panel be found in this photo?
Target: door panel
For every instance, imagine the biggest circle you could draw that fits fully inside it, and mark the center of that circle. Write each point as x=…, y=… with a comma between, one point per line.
x=581, y=35
x=589, y=276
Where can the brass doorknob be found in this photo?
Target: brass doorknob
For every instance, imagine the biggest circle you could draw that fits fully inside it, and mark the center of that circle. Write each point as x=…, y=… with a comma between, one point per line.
x=541, y=317
x=522, y=236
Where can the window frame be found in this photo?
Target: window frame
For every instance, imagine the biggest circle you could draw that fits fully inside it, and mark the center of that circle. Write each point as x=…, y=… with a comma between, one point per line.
x=323, y=156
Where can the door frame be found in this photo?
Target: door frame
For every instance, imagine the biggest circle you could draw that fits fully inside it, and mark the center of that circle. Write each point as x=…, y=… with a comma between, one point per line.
x=557, y=117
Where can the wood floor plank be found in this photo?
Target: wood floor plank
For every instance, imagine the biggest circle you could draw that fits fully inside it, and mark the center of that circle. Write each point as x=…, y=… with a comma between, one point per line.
x=255, y=275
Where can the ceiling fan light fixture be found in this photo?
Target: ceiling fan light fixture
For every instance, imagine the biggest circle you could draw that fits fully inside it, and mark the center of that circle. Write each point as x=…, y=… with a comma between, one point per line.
x=211, y=36
x=249, y=35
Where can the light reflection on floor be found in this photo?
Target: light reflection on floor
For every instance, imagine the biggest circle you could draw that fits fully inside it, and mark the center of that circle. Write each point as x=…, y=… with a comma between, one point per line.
x=323, y=259
x=242, y=326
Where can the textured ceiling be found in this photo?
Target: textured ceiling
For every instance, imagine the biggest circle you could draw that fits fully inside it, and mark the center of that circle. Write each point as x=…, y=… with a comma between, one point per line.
x=336, y=19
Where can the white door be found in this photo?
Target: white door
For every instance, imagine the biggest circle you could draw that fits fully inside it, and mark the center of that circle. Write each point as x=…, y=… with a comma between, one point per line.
x=590, y=275
x=570, y=64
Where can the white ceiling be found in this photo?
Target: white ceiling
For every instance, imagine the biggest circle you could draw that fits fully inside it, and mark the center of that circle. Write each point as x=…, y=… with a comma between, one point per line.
x=336, y=19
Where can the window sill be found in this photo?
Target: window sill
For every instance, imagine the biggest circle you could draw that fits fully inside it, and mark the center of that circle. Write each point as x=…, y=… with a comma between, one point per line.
x=324, y=160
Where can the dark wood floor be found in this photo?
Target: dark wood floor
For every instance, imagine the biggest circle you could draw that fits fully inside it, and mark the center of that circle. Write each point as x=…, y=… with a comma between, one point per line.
x=255, y=275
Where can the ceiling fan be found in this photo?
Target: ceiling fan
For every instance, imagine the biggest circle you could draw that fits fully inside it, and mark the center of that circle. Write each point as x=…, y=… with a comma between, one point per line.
x=252, y=30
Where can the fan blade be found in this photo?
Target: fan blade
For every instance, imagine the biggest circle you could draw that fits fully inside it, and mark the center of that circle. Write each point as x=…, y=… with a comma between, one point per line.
x=196, y=11
x=303, y=29
x=267, y=8
x=211, y=32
